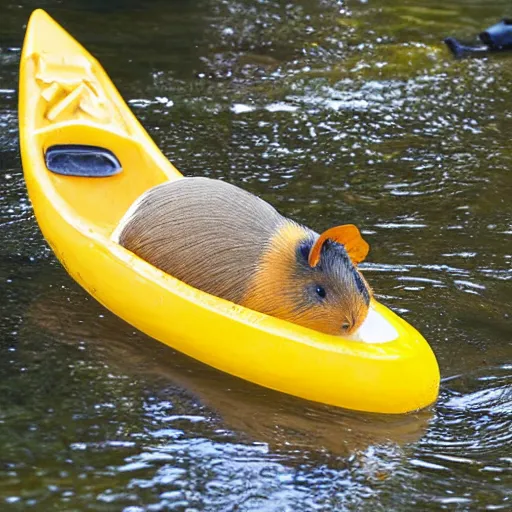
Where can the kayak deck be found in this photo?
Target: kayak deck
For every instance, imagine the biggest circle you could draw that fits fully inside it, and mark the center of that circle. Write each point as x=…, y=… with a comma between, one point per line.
x=76, y=107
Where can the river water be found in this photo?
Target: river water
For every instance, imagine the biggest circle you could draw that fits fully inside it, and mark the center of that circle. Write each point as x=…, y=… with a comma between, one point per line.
x=334, y=111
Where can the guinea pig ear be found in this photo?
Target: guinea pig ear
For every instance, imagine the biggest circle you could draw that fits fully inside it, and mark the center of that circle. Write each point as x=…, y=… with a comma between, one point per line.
x=349, y=236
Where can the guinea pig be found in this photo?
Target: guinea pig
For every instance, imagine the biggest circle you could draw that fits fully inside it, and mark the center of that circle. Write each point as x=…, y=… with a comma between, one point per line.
x=232, y=244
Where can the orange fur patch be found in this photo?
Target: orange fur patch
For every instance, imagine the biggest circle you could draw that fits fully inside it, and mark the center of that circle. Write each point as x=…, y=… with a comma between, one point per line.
x=276, y=267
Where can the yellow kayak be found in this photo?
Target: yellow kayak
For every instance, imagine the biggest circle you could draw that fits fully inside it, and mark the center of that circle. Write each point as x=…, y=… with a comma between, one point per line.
x=86, y=159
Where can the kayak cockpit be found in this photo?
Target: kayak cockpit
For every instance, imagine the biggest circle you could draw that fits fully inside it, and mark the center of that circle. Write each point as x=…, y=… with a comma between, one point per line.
x=101, y=200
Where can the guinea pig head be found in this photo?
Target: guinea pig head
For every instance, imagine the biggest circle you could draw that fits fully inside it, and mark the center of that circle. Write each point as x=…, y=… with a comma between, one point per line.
x=338, y=293
x=313, y=280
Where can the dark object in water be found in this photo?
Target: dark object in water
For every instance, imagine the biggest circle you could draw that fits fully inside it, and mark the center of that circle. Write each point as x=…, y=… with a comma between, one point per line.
x=461, y=50
x=496, y=38
x=499, y=36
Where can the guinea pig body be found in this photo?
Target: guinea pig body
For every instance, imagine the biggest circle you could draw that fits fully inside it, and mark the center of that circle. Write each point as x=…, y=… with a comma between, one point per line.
x=228, y=242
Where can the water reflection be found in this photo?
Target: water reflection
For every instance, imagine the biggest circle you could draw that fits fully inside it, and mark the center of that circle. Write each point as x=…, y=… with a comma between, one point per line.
x=283, y=423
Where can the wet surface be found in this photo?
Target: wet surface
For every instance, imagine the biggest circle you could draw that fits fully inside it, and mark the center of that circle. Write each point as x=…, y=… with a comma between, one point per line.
x=333, y=112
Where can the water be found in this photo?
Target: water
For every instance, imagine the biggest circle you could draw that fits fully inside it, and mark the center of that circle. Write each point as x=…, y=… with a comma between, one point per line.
x=334, y=112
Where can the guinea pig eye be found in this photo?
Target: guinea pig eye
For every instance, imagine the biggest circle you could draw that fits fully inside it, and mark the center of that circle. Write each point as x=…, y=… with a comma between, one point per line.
x=345, y=326
x=320, y=291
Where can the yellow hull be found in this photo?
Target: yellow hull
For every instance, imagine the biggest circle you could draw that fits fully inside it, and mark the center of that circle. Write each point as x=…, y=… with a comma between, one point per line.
x=67, y=98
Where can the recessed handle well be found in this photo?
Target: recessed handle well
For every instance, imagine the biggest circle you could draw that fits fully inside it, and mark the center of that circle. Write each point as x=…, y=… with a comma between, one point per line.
x=82, y=160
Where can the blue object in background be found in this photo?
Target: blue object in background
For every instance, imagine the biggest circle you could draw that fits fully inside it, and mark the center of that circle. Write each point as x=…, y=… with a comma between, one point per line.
x=496, y=38
x=499, y=36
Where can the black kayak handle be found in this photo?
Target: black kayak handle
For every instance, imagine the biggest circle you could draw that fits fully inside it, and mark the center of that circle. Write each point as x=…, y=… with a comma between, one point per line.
x=82, y=160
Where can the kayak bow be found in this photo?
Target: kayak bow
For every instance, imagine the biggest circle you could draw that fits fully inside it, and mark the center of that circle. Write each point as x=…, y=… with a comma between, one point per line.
x=86, y=159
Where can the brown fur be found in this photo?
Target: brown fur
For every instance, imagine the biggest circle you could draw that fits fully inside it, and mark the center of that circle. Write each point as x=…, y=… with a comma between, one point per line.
x=230, y=243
